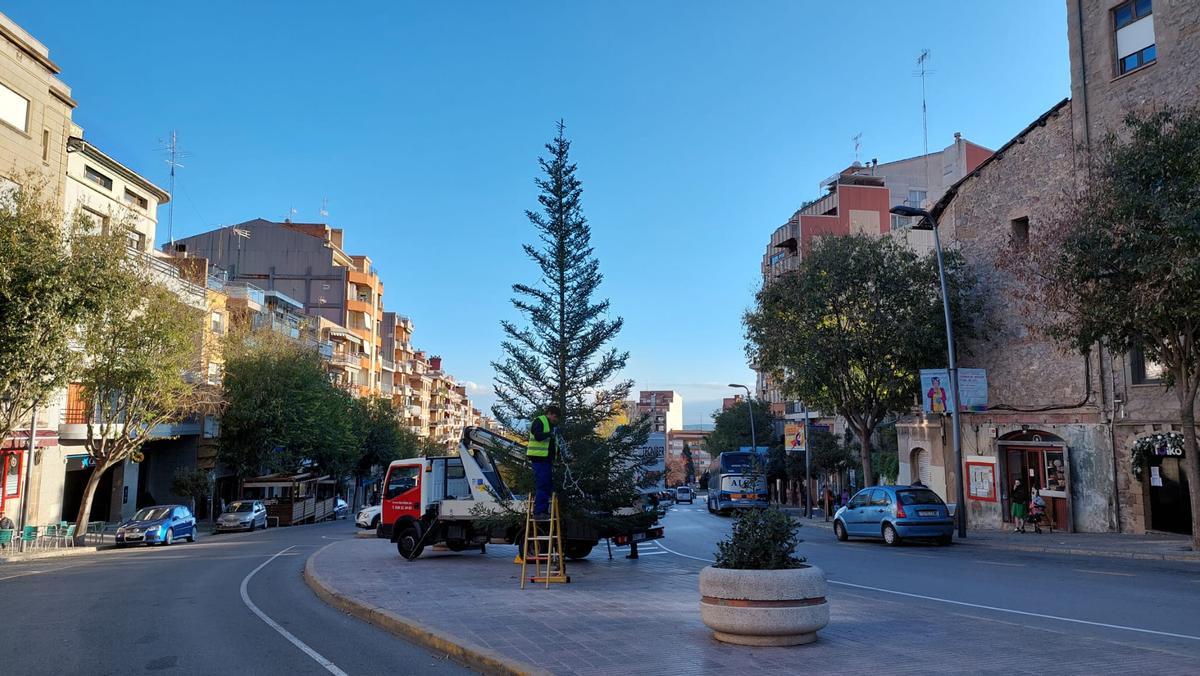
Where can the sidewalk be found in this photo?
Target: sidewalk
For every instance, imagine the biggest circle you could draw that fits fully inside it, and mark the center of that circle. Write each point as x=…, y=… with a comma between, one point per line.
x=620, y=617
x=1151, y=547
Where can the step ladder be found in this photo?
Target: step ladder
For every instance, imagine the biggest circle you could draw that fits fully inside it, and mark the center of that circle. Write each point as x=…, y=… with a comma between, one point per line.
x=543, y=546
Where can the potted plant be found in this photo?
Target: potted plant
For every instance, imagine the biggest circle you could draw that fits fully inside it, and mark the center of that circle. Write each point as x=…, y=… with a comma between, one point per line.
x=759, y=592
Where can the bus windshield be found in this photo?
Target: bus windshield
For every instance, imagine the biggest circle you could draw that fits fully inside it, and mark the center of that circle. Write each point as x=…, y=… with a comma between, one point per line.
x=736, y=463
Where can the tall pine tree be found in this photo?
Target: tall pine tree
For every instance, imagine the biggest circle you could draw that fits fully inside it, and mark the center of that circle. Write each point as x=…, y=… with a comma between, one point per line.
x=562, y=354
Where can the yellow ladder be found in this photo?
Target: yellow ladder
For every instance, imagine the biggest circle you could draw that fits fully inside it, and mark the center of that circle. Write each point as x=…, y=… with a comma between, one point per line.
x=543, y=545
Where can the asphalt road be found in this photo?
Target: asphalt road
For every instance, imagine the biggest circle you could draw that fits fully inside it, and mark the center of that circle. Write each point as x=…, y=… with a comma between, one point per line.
x=1112, y=599
x=180, y=610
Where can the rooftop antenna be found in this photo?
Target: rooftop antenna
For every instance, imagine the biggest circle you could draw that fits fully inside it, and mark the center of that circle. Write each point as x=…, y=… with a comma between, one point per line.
x=857, y=138
x=922, y=72
x=292, y=211
x=324, y=207
x=174, y=154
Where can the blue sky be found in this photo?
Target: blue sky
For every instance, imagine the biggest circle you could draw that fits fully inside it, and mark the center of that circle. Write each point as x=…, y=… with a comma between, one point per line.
x=698, y=128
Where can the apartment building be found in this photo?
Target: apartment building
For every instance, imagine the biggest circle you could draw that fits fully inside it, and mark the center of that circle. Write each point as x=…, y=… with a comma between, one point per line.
x=35, y=111
x=1065, y=423
x=857, y=200
x=665, y=408
x=307, y=262
x=697, y=443
x=111, y=195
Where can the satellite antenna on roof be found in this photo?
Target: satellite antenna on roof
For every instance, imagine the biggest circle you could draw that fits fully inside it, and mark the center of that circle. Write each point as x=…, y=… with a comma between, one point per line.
x=174, y=154
x=324, y=207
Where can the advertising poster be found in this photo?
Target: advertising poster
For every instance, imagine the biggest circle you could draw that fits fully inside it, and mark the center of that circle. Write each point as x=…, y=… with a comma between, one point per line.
x=935, y=390
x=982, y=481
x=795, y=437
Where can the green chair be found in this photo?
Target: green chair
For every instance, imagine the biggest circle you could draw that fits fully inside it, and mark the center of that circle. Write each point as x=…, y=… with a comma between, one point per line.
x=97, y=528
x=69, y=536
x=29, y=536
x=6, y=538
x=50, y=533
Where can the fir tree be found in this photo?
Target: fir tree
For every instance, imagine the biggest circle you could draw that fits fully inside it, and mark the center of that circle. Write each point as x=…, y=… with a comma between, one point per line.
x=563, y=353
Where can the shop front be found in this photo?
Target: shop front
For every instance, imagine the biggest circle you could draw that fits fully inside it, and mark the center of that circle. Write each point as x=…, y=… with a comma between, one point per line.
x=1041, y=462
x=1158, y=460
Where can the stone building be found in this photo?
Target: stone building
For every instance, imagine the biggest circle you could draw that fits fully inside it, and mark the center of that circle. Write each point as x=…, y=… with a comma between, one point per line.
x=1062, y=421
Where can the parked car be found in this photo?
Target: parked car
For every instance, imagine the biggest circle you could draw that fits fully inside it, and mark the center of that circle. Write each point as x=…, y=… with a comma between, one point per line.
x=685, y=494
x=895, y=513
x=341, y=510
x=161, y=524
x=368, y=517
x=671, y=494
x=242, y=515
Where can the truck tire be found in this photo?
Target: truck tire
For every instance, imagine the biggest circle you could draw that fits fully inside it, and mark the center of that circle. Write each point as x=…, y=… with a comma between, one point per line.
x=577, y=549
x=407, y=543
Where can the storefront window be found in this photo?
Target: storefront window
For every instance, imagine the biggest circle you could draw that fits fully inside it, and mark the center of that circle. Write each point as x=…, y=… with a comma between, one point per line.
x=1056, y=472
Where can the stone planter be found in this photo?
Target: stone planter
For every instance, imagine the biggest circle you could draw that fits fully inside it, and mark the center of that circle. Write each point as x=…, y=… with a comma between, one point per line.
x=764, y=607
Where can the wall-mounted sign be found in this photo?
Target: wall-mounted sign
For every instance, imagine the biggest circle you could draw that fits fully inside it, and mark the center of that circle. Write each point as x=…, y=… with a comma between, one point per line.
x=982, y=481
x=935, y=390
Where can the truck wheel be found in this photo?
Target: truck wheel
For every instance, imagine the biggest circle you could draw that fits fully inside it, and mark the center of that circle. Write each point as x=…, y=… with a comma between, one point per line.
x=407, y=543
x=577, y=550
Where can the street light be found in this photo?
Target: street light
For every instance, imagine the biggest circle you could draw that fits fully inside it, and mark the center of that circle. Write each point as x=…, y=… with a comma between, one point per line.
x=928, y=222
x=750, y=408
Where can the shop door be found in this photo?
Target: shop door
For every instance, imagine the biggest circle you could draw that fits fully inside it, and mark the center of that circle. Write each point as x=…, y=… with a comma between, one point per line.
x=1170, y=505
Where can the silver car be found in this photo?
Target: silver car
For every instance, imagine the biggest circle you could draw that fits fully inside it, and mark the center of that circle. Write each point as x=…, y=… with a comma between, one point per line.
x=242, y=515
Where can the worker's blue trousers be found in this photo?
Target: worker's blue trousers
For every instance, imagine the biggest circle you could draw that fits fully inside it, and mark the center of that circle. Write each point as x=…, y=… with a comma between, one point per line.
x=543, y=481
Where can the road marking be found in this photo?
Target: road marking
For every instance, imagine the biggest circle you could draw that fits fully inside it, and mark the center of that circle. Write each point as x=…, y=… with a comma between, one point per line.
x=1019, y=612
x=1103, y=572
x=39, y=572
x=1002, y=563
x=318, y=657
x=992, y=608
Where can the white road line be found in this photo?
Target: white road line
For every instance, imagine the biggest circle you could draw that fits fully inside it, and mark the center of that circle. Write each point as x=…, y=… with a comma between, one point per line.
x=1019, y=612
x=1002, y=563
x=1103, y=572
x=652, y=553
x=992, y=608
x=39, y=572
x=318, y=657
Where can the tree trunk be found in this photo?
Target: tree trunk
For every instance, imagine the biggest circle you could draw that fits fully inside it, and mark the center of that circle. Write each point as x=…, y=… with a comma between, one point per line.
x=864, y=440
x=85, y=507
x=1191, y=462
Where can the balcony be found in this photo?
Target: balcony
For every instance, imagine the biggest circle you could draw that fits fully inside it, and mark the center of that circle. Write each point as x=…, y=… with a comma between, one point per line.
x=388, y=365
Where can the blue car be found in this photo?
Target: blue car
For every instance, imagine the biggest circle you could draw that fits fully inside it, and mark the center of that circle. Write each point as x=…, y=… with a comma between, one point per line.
x=895, y=513
x=161, y=524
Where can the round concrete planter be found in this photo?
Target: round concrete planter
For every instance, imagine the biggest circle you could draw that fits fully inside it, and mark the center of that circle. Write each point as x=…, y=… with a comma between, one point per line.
x=764, y=607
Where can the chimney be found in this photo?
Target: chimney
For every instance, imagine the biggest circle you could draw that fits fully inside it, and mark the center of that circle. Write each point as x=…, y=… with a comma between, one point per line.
x=435, y=363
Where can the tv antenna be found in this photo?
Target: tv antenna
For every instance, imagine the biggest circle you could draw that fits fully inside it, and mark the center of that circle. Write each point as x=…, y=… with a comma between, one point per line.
x=857, y=139
x=291, y=213
x=324, y=207
x=174, y=154
x=922, y=72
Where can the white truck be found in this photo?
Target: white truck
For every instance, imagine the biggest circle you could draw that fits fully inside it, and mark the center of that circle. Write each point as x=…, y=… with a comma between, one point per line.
x=442, y=499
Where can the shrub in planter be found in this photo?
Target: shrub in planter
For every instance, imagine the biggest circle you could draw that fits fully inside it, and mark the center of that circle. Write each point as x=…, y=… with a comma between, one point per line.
x=759, y=592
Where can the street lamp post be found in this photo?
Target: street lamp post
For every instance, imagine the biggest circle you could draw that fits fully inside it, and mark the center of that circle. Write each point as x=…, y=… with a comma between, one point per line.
x=807, y=464
x=928, y=222
x=750, y=408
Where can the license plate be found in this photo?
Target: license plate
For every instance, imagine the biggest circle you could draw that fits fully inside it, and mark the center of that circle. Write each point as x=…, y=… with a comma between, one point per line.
x=638, y=537
x=926, y=512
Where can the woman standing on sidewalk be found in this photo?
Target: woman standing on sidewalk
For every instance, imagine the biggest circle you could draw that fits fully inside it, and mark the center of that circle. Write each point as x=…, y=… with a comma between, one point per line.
x=1020, y=503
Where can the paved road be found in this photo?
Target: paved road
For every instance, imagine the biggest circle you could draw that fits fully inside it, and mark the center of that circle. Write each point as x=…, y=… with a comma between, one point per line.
x=1143, y=602
x=180, y=610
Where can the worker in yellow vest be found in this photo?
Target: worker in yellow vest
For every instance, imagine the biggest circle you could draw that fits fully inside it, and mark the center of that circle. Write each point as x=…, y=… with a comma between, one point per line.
x=541, y=451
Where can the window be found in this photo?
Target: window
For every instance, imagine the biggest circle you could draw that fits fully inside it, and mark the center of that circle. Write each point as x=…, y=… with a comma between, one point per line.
x=217, y=322
x=1133, y=25
x=134, y=199
x=97, y=178
x=214, y=373
x=900, y=222
x=1020, y=233
x=862, y=499
x=14, y=109
x=99, y=221
x=916, y=197
x=136, y=240
x=1145, y=371
x=401, y=479
x=880, y=498
x=776, y=257
x=45, y=145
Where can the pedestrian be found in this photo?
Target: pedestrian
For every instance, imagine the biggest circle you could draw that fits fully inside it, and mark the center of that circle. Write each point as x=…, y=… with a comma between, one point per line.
x=541, y=451
x=1020, y=502
x=829, y=500
x=845, y=498
x=6, y=524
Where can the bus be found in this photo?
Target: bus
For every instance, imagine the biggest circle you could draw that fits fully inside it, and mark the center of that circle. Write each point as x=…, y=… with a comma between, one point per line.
x=738, y=480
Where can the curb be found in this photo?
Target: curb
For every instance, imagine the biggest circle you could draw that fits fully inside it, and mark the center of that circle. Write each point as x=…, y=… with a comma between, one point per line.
x=1141, y=556
x=65, y=552
x=460, y=650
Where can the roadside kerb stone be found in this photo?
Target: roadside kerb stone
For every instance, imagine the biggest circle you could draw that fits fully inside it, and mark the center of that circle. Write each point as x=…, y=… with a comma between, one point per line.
x=457, y=648
x=7, y=556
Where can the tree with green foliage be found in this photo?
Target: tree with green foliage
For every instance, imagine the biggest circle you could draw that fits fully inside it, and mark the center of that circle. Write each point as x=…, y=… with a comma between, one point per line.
x=850, y=329
x=731, y=430
x=141, y=368
x=1120, y=265
x=283, y=414
x=689, y=464
x=53, y=269
x=563, y=355
x=193, y=484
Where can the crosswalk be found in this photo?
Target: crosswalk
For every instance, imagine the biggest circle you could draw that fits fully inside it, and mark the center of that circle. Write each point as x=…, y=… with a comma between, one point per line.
x=650, y=548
